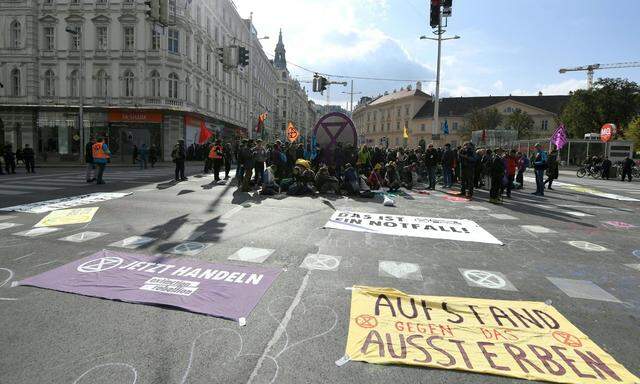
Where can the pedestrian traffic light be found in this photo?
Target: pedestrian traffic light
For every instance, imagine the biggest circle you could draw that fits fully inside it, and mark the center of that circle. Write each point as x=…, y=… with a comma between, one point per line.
x=154, y=9
x=243, y=56
x=435, y=13
x=220, y=52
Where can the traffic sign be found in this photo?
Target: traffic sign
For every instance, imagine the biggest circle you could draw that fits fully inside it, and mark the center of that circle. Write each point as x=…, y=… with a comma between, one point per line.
x=334, y=128
x=607, y=131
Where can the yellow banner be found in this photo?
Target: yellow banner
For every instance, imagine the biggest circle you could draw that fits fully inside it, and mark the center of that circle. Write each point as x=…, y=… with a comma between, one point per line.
x=68, y=216
x=524, y=339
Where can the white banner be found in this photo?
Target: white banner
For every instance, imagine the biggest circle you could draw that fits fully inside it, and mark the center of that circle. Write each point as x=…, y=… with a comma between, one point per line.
x=66, y=202
x=398, y=225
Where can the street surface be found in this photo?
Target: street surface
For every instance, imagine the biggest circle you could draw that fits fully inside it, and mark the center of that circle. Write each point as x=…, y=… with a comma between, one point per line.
x=568, y=249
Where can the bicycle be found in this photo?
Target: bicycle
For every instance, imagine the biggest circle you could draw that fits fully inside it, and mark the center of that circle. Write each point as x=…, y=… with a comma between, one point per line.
x=588, y=170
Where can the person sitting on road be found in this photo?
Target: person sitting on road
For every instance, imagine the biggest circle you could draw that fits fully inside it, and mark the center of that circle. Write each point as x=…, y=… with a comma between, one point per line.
x=351, y=180
x=375, y=178
x=325, y=182
x=391, y=178
x=269, y=185
x=406, y=175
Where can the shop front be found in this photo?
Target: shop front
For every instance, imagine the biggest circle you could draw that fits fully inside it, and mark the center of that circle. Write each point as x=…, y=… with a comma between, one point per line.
x=127, y=131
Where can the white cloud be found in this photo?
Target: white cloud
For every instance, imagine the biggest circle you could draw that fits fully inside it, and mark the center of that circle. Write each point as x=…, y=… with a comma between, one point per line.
x=563, y=87
x=498, y=85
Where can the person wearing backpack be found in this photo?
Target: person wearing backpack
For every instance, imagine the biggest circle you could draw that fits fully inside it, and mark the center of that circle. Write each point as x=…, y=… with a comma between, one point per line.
x=540, y=164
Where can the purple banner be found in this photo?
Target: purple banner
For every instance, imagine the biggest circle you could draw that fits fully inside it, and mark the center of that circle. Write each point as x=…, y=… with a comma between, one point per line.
x=222, y=290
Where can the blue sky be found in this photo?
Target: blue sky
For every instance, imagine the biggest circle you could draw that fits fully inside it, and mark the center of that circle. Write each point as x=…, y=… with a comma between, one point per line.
x=506, y=46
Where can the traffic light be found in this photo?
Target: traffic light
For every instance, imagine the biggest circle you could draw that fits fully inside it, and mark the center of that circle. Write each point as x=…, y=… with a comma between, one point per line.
x=243, y=56
x=322, y=84
x=446, y=8
x=154, y=9
x=315, y=83
x=163, y=18
x=435, y=13
x=220, y=53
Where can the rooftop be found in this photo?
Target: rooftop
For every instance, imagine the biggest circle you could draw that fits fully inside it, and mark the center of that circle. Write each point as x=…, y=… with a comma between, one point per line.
x=459, y=106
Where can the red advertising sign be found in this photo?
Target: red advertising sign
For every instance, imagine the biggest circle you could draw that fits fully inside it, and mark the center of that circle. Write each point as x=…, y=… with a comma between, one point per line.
x=134, y=117
x=607, y=131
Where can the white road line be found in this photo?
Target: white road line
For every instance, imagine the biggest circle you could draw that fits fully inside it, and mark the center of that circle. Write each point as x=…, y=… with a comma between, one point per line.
x=231, y=212
x=281, y=327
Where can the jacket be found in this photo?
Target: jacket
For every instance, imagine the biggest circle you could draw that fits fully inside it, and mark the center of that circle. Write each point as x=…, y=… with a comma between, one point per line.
x=100, y=153
x=511, y=163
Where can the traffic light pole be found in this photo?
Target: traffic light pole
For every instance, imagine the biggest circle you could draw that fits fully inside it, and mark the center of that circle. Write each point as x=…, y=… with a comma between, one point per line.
x=436, y=105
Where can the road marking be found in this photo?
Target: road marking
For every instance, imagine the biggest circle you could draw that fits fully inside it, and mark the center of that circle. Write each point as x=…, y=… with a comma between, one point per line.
x=634, y=266
x=231, y=212
x=252, y=255
x=619, y=224
x=636, y=253
x=486, y=279
x=587, y=246
x=133, y=242
x=399, y=270
x=582, y=289
x=66, y=202
x=8, y=225
x=502, y=216
x=537, y=229
x=6, y=217
x=27, y=187
x=190, y=248
x=13, y=192
x=576, y=214
x=321, y=262
x=83, y=236
x=100, y=264
x=36, y=231
x=478, y=208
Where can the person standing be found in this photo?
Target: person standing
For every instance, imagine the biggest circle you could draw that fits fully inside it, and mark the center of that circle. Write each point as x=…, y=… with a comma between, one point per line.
x=29, y=158
x=88, y=158
x=9, y=159
x=448, y=164
x=246, y=158
x=468, y=162
x=511, y=163
x=101, y=155
x=495, y=169
x=552, y=168
x=179, y=156
x=606, y=168
x=226, y=157
x=153, y=155
x=259, y=157
x=627, y=166
x=431, y=163
x=523, y=164
x=143, y=156
x=215, y=154
x=539, y=166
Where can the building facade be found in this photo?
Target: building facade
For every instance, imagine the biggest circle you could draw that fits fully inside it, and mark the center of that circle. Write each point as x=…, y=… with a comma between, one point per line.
x=140, y=84
x=292, y=99
x=381, y=120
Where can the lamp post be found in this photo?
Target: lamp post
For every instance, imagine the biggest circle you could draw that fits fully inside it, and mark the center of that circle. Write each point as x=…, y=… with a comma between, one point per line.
x=78, y=32
x=436, y=107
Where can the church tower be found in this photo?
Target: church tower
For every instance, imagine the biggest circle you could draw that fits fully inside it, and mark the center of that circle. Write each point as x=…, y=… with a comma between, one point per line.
x=280, y=61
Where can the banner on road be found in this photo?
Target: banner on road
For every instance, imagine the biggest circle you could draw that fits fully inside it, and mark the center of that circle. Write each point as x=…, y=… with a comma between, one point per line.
x=68, y=216
x=399, y=225
x=523, y=339
x=66, y=202
x=228, y=291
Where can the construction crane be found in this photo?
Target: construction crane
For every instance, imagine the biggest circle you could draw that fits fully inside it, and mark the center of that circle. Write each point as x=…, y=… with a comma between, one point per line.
x=592, y=67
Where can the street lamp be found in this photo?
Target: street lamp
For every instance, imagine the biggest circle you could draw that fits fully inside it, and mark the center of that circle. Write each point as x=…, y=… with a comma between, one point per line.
x=78, y=32
x=439, y=39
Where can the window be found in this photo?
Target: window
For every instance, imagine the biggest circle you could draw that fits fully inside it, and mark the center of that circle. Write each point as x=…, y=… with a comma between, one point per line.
x=49, y=83
x=388, y=127
x=199, y=54
x=188, y=46
x=172, y=7
x=398, y=114
x=173, y=40
x=397, y=125
x=208, y=61
x=198, y=19
x=75, y=2
x=102, y=36
x=129, y=38
x=15, y=82
x=208, y=26
x=173, y=85
x=374, y=127
x=422, y=127
x=74, y=83
x=198, y=93
x=368, y=116
x=16, y=34
x=75, y=38
x=187, y=89
x=102, y=83
x=455, y=126
x=544, y=125
x=406, y=110
x=49, y=42
x=129, y=83
x=375, y=115
x=208, y=95
x=155, y=84
x=215, y=101
x=155, y=40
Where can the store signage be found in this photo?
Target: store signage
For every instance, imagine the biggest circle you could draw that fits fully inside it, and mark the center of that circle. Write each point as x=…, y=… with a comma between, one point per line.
x=134, y=117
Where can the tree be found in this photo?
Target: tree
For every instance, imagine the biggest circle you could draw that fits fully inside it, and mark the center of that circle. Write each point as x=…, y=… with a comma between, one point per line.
x=479, y=119
x=521, y=122
x=493, y=118
x=633, y=132
x=609, y=101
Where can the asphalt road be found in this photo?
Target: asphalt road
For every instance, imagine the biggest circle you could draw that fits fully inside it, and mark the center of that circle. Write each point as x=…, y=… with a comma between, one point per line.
x=299, y=328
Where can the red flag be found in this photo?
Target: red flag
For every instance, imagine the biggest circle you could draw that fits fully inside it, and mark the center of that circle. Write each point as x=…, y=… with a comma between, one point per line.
x=205, y=134
x=484, y=136
x=261, y=118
